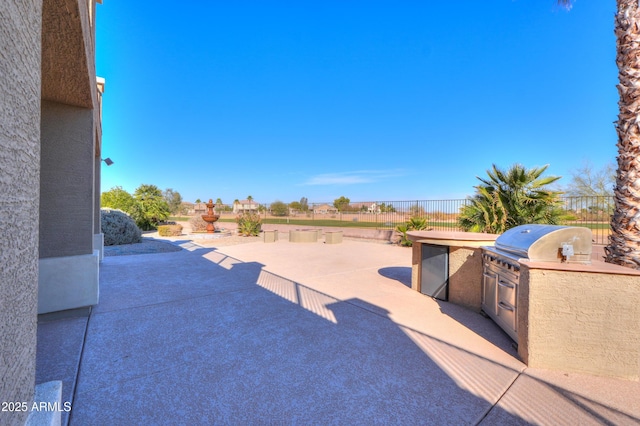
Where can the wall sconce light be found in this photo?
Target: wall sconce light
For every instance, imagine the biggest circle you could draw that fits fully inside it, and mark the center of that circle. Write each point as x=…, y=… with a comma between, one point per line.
x=107, y=161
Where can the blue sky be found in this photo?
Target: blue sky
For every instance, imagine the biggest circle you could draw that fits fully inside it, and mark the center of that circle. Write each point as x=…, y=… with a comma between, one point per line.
x=372, y=100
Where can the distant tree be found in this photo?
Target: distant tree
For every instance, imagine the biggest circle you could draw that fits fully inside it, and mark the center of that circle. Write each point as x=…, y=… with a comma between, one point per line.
x=510, y=198
x=341, y=203
x=593, y=187
x=387, y=208
x=150, y=207
x=186, y=207
x=173, y=199
x=117, y=198
x=295, y=205
x=588, y=182
x=249, y=198
x=304, y=204
x=416, y=210
x=198, y=201
x=278, y=208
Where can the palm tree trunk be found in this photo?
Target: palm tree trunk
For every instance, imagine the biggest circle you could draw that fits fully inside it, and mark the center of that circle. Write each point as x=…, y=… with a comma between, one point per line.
x=624, y=241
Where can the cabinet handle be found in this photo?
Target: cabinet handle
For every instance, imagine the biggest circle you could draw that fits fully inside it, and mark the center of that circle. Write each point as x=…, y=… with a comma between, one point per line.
x=506, y=284
x=506, y=307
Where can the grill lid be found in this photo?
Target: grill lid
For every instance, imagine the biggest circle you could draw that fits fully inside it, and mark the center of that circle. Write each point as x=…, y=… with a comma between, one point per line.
x=547, y=243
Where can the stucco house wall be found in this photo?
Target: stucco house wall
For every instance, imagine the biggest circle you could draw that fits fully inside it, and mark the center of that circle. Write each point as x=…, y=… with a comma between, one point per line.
x=245, y=206
x=19, y=199
x=50, y=138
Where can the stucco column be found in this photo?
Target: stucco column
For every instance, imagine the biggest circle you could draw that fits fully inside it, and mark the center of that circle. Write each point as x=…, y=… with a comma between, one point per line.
x=68, y=264
x=20, y=68
x=98, y=237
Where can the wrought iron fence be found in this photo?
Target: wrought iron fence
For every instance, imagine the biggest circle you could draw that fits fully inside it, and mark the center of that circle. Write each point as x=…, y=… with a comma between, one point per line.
x=591, y=212
x=441, y=215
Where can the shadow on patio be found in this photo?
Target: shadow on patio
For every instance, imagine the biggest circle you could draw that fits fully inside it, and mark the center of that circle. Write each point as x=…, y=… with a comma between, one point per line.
x=200, y=337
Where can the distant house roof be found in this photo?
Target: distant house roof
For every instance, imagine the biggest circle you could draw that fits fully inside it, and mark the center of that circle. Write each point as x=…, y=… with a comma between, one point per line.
x=324, y=207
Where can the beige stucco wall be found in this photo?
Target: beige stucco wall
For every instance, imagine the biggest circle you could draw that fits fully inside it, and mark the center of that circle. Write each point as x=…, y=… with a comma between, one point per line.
x=465, y=277
x=19, y=198
x=580, y=321
x=416, y=259
x=68, y=52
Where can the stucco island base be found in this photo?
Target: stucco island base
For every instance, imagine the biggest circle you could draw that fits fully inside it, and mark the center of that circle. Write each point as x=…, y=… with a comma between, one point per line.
x=582, y=318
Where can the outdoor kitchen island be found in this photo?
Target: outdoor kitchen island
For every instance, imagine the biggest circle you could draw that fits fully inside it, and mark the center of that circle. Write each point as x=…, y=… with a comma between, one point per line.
x=572, y=317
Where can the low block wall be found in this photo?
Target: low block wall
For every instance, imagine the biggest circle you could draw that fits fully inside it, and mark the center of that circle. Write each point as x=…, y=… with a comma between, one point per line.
x=364, y=233
x=303, y=236
x=333, y=237
x=270, y=236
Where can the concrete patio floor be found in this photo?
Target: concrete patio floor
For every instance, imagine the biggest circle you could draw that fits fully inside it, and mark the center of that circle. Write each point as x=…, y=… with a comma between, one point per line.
x=287, y=333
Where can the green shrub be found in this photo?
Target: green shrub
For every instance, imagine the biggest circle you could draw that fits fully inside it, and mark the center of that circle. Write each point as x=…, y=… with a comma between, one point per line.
x=404, y=240
x=118, y=228
x=170, y=230
x=413, y=224
x=248, y=224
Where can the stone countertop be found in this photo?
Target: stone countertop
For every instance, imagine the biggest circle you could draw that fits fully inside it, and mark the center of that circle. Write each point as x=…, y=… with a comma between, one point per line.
x=453, y=238
x=596, y=267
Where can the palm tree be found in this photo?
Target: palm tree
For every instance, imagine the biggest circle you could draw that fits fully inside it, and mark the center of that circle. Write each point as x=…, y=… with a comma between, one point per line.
x=624, y=240
x=508, y=199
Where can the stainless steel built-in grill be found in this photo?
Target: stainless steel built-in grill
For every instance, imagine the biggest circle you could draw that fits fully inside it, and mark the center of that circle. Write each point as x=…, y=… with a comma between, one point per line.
x=535, y=243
